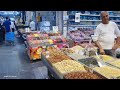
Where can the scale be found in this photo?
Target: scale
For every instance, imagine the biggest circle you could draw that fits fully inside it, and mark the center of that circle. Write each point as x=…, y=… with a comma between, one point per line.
x=100, y=61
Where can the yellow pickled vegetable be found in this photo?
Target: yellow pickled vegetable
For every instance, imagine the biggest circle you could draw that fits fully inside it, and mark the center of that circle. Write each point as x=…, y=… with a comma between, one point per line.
x=116, y=63
x=77, y=48
x=105, y=57
x=108, y=71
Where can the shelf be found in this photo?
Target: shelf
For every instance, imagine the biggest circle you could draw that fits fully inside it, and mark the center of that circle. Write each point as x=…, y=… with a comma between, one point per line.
x=87, y=20
x=94, y=20
x=115, y=20
x=89, y=15
x=94, y=15
x=80, y=25
x=114, y=16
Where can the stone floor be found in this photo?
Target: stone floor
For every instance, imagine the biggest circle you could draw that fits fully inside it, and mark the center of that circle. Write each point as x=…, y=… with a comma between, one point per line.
x=15, y=64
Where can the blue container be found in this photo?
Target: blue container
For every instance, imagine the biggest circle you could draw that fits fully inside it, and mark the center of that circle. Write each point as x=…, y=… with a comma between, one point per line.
x=10, y=36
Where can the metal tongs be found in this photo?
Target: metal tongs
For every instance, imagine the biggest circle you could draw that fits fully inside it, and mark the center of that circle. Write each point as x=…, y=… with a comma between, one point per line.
x=100, y=61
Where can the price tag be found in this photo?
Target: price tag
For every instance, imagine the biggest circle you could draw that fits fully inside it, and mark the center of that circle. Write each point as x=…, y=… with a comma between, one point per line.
x=55, y=46
x=47, y=54
x=55, y=29
x=77, y=17
x=43, y=46
x=81, y=52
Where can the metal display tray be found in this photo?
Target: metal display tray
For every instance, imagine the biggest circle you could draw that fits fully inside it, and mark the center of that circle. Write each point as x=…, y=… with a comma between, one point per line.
x=52, y=70
x=58, y=75
x=90, y=69
x=109, y=64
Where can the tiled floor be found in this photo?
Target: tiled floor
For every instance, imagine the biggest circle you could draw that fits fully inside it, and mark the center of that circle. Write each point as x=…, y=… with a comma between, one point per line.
x=15, y=64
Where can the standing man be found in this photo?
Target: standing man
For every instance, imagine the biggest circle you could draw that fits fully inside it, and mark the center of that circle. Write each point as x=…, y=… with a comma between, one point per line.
x=104, y=35
x=7, y=24
x=12, y=26
x=7, y=27
x=32, y=25
x=1, y=34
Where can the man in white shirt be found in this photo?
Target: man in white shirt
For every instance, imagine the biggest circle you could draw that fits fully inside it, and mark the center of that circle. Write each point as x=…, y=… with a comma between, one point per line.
x=12, y=26
x=26, y=23
x=104, y=35
x=32, y=25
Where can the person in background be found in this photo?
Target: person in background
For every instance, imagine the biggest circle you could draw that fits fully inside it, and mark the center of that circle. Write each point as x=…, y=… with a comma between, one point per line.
x=1, y=34
x=104, y=35
x=32, y=25
x=2, y=20
x=6, y=25
x=26, y=23
x=15, y=25
x=12, y=25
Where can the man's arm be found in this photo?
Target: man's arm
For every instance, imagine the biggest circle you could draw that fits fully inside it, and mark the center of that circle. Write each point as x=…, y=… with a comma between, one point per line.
x=117, y=33
x=117, y=44
x=100, y=47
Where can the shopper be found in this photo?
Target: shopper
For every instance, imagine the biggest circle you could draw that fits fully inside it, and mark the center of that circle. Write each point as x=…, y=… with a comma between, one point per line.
x=1, y=34
x=7, y=24
x=26, y=23
x=15, y=25
x=32, y=25
x=104, y=35
x=7, y=28
x=12, y=26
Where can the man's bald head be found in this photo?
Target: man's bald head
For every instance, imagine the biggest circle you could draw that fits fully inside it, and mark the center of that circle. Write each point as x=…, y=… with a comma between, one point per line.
x=105, y=17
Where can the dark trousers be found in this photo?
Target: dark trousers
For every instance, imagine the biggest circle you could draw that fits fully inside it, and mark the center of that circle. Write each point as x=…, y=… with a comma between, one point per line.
x=108, y=52
x=2, y=35
x=13, y=29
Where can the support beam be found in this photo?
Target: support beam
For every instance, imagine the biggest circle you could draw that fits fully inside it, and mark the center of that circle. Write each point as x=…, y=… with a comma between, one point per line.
x=59, y=20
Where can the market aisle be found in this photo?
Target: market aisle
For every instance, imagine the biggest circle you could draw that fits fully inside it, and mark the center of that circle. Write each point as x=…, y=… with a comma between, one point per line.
x=15, y=64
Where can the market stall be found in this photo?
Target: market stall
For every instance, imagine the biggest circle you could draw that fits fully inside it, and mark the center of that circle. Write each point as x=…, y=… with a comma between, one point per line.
x=37, y=42
x=67, y=68
x=87, y=67
x=80, y=36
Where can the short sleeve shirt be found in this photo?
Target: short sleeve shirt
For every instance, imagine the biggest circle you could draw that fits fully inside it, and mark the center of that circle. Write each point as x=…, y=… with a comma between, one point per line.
x=7, y=25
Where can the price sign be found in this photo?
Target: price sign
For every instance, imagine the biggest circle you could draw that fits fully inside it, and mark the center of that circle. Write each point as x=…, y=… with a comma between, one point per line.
x=77, y=17
x=55, y=29
x=43, y=46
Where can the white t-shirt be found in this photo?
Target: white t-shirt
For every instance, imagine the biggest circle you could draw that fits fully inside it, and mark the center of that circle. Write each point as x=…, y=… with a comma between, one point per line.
x=26, y=23
x=32, y=25
x=106, y=33
x=12, y=25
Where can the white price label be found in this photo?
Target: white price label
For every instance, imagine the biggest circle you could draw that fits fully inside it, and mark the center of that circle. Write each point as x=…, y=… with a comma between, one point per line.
x=55, y=29
x=77, y=17
x=55, y=46
x=44, y=46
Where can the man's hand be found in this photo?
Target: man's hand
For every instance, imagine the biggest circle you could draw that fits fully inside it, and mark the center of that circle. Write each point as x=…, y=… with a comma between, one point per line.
x=115, y=47
x=102, y=52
